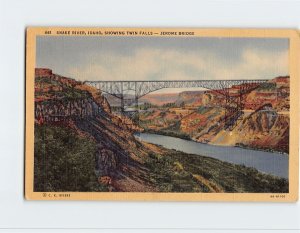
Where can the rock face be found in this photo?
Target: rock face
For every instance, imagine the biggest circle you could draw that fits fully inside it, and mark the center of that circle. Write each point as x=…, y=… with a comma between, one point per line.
x=106, y=162
x=264, y=129
x=263, y=124
x=276, y=92
x=64, y=102
x=42, y=72
x=159, y=99
x=63, y=110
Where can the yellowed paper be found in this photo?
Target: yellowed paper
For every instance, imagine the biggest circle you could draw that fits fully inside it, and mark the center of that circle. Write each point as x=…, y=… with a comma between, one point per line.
x=162, y=114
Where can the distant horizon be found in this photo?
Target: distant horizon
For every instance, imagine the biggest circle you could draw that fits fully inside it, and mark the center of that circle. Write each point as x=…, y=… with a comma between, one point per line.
x=163, y=58
x=158, y=92
x=128, y=80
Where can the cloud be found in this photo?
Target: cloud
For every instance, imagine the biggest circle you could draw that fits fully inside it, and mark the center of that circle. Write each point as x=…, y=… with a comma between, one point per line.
x=144, y=64
x=254, y=64
x=172, y=64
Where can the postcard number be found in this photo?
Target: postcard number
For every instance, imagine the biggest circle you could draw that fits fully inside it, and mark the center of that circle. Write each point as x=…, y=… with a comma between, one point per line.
x=278, y=196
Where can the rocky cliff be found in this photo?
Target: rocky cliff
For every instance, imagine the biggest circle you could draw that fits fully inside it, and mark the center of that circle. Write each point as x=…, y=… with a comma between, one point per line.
x=264, y=129
x=263, y=123
x=64, y=102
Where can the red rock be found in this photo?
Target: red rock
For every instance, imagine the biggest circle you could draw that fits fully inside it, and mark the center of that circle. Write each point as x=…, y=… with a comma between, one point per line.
x=42, y=72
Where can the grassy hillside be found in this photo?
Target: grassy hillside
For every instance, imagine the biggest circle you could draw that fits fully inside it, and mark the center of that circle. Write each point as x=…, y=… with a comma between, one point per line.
x=64, y=161
x=175, y=171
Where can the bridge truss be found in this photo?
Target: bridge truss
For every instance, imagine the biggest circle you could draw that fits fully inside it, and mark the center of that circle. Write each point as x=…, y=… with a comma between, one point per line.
x=233, y=92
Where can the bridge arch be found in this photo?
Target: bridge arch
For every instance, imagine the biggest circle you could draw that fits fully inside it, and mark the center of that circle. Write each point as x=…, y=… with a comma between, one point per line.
x=234, y=104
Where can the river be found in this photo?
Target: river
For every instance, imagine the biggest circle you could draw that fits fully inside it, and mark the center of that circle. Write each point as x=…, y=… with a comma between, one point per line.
x=267, y=162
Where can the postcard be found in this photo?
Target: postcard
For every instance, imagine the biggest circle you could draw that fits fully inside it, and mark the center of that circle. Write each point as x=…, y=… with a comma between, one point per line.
x=162, y=114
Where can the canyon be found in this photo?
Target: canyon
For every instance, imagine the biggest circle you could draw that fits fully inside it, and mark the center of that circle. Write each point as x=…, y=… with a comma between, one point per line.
x=82, y=145
x=199, y=116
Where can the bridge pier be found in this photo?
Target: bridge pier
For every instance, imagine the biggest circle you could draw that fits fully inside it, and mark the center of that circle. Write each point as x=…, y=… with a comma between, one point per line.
x=137, y=108
x=122, y=105
x=235, y=103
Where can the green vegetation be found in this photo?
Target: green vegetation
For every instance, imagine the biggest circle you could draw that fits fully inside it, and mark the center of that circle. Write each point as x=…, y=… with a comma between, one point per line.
x=167, y=132
x=46, y=80
x=146, y=106
x=203, y=109
x=72, y=93
x=182, y=105
x=266, y=87
x=173, y=129
x=57, y=89
x=179, y=172
x=169, y=105
x=64, y=161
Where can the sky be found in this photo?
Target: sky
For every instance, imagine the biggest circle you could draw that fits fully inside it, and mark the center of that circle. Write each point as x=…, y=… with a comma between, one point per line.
x=163, y=58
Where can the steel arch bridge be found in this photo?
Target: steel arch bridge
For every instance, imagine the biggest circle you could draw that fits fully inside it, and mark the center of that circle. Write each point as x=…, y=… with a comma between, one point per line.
x=234, y=102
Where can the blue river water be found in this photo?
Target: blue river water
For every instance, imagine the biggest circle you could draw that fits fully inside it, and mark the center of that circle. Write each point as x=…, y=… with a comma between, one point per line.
x=268, y=162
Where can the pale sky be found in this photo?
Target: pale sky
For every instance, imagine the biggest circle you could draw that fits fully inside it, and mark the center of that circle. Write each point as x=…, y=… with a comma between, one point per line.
x=163, y=58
